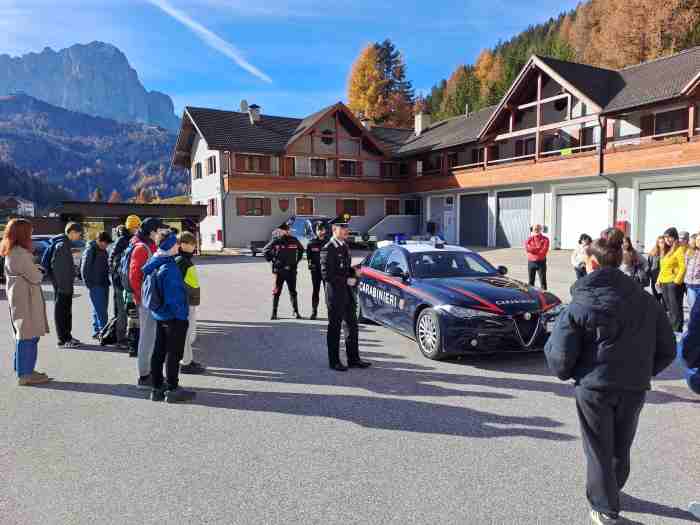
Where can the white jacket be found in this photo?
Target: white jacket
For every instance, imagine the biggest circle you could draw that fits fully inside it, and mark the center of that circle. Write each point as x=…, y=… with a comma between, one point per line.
x=578, y=257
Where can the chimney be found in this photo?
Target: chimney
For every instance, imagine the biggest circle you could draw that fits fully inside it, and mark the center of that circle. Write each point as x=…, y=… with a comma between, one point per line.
x=421, y=123
x=244, y=106
x=254, y=113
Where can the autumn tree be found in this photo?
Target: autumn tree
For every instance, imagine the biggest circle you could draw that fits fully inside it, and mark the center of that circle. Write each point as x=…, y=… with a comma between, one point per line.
x=366, y=85
x=144, y=196
x=115, y=196
x=97, y=195
x=462, y=90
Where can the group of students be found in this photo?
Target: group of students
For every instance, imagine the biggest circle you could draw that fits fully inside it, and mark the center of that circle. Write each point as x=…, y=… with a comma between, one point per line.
x=611, y=340
x=156, y=293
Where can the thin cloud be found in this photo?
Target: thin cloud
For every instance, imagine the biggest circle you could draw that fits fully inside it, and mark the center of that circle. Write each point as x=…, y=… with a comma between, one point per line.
x=210, y=38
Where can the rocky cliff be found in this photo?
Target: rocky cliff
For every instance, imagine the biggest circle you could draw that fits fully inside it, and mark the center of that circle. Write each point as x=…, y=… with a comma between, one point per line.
x=95, y=79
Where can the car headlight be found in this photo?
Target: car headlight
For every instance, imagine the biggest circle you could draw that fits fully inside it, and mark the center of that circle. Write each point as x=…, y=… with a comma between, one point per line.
x=553, y=312
x=465, y=313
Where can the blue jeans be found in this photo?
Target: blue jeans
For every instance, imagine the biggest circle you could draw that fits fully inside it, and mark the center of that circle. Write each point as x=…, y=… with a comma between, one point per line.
x=25, y=356
x=691, y=375
x=693, y=291
x=99, y=297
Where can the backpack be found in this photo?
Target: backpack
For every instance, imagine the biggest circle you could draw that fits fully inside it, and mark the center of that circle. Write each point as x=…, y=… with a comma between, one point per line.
x=152, y=295
x=47, y=256
x=123, y=271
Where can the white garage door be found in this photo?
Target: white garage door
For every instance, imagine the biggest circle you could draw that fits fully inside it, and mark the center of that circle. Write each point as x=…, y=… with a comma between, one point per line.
x=660, y=209
x=582, y=213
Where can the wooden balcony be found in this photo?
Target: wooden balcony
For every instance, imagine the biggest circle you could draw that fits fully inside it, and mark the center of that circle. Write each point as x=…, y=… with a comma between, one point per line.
x=264, y=183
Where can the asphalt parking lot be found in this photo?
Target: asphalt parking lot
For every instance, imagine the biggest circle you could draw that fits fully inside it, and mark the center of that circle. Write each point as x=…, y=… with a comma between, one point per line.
x=276, y=437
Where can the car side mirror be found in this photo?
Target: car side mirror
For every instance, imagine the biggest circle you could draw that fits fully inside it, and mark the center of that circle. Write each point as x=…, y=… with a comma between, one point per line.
x=502, y=270
x=395, y=271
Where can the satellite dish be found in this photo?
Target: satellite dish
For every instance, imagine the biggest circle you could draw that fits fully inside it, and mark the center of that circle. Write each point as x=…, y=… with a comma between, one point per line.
x=244, y=106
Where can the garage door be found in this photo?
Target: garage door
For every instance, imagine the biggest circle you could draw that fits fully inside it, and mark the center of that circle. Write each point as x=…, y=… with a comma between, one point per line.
x=582, y=213
x=659, y=209
x=513, y=226
x=474, y=220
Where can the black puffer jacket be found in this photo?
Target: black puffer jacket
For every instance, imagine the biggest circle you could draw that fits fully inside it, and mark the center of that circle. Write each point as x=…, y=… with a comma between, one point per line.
x=613, y=335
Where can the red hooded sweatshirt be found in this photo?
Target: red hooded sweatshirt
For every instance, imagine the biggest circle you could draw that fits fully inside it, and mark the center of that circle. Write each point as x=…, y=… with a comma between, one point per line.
x=537, y=247
x=142, y=252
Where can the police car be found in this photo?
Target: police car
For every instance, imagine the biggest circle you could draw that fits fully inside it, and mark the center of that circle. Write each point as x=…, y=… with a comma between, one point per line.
x=451, y=300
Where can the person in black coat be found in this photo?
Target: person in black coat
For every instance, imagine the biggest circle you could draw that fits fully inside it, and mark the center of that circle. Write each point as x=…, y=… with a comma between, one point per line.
x=611, y=340
x=284, y=252
x=313, y=256
x=340, y=278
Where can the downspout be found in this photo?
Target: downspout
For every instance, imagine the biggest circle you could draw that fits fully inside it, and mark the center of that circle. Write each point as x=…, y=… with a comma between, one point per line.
x=602, y=123
x=223, y=200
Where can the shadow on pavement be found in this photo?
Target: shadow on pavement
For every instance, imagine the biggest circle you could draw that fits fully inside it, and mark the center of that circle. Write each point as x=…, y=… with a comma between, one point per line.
x=208, y=260
x=640, y=506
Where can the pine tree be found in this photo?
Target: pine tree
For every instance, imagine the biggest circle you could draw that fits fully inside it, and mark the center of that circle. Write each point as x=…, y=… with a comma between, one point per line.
x=366, y=85
x=97, y=195
x=115, y=196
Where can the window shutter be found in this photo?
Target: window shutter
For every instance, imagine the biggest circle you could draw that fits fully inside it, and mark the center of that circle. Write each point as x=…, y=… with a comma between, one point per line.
x=647, y=125
x=265, y=164
x=339, y=207
x=267, y=207
x=361, y=208
x=291, y=166
x=518, y=148
x=241, y=206
x=240, y=163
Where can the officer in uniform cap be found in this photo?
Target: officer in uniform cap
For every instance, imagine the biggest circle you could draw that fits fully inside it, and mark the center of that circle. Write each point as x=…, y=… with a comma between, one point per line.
x=340, y=279
x=313, y=255
x=284, y=252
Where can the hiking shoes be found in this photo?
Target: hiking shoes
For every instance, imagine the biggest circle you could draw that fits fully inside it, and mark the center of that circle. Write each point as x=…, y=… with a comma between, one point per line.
x=179, y=395
x=145, y=383
x=193, y=368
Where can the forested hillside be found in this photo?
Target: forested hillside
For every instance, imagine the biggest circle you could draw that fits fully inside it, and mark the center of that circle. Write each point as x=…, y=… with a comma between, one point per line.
x=21, y=183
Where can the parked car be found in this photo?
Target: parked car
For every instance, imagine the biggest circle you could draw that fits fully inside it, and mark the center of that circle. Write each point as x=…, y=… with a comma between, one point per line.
x=451, y=300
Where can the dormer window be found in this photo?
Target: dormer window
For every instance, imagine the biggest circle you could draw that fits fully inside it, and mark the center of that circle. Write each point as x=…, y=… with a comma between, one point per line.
x=327, y=137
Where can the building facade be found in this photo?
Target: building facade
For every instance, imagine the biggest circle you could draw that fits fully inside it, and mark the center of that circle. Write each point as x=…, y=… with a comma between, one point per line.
x=573, y=147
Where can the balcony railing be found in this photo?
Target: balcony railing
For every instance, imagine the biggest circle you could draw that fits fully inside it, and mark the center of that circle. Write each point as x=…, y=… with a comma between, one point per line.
x=316, y=175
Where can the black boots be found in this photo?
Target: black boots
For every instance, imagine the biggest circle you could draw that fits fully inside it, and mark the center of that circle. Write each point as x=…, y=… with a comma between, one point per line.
x=314, y=314
x=295, y=305
x=275, y=304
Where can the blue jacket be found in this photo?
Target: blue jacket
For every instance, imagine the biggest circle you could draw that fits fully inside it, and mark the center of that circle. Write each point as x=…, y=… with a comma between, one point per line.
x=613, y=335
x=93, y=267
x=172, y=287
x=689, y=346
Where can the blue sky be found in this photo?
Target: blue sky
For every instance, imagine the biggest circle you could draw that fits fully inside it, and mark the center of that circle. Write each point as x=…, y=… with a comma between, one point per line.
x=290, y=57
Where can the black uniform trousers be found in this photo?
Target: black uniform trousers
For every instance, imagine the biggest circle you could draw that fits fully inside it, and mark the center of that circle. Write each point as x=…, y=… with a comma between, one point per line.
x=537, y=266
x=168, y=349
x=341, y=307
x=63, y=316
x=316, y=280
x=673, y=298
x=285, y=276
x=609, y=422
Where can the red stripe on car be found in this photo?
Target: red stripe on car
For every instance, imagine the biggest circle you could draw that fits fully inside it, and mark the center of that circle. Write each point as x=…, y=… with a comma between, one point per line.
x=485, y=305
x=374, y=274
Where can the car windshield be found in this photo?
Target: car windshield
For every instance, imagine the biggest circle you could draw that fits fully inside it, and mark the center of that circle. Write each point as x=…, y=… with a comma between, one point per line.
x=450, y=264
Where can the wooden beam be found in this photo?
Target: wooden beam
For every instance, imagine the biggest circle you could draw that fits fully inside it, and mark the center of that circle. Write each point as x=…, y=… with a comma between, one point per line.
x=691, y=119
x=511, y=120
x=486, y=155
x=547, y=127
x=538, y=132
x=337, y=136
x=544, y=100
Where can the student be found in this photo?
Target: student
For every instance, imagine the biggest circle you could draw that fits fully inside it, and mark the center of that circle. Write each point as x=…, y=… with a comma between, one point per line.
x=611, y=351
x=25, y=298
x=654, y=267
x=171, y=317
x=692, y=272
x=62, y=273
x=537, y=247
x=94, y=269
x=125, y=328
x=188, y=244
x=632, y=263
x=671, y=277
x=578, y=257
x=144, y=248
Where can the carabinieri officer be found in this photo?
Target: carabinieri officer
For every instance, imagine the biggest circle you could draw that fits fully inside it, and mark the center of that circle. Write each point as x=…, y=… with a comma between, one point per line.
x=284, y=252
x=313, y=255
x=340, y=279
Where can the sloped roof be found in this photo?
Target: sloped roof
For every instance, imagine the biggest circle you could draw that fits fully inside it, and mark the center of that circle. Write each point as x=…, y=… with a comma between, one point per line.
x=391, y=138
x=447, y=133
x=308, y=122
x=231, y=130
x=594, y=82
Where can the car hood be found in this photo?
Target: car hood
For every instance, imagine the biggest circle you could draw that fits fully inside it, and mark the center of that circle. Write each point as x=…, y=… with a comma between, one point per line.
x=495, y=294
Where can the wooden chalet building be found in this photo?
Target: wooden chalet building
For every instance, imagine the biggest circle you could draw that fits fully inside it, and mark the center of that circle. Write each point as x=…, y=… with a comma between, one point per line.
x=571, y=146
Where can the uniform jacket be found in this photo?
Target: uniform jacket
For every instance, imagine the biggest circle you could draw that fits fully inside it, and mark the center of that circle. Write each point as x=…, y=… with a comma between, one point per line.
x=172, y=288
x=62, y=266
x=143, y=251
x=115, y=254
x=672, y=268
x=612, y=336
x=692, y=268
x=94, y=267
x=27, y=306
x=336, y=268
x=190, y=277
x=313, y=254
x=284, y=253
x=537, y=247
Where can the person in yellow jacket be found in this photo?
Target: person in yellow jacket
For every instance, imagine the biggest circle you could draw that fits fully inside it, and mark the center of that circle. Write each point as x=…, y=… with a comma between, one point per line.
x=671, y=278
x=188, y=244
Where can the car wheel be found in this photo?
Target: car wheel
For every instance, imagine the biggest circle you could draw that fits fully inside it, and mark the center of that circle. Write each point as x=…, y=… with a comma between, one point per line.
x=428, y=335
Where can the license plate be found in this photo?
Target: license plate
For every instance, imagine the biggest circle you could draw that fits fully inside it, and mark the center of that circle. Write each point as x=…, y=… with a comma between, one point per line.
x=550, y=325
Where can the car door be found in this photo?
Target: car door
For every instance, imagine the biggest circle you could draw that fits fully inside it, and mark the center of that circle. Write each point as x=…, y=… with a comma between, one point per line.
x=396, y=310
x=369, y=292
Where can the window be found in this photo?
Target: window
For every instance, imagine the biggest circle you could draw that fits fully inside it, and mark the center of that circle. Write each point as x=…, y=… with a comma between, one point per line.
x=305, y=206
x=477, y=155
x=389, y=170
x=212, y=210
x=379, y=259
x=403, y=169
x=318, y=167
x=412, y=207
x=348, y=168
x=355, y=207
x=452, y=159
x=198, y=170
x=397, y=260
x=225, y=163
x=327, y=137
x=211, y=165
x=671, y=121
x=450, y=264
x=254, y=207
x=253, y=163
x=392, y=207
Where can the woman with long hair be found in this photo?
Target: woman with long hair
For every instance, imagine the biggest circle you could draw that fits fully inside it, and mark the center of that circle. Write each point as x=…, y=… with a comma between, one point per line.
x=671, y=278
x=654, y=267
x=611, y=340
x=26, y=300
x=632, y=263
x=692, y=269
x=578, y=258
